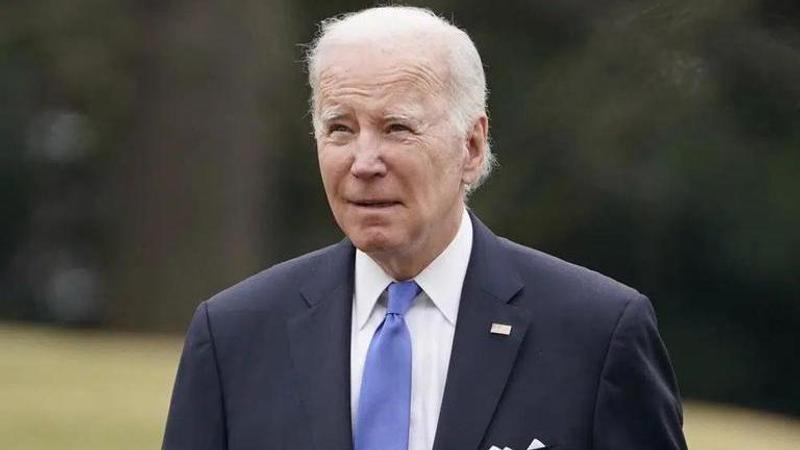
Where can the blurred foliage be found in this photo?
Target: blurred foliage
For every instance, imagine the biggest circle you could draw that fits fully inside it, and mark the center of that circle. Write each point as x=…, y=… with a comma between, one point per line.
x=657, y=142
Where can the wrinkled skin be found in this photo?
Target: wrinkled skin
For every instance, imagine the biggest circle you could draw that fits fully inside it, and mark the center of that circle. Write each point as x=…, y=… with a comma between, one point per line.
x=393, y=164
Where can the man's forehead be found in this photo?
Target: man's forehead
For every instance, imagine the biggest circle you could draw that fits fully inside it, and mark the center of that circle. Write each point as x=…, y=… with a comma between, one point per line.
x=398, y=90
x=360, y=63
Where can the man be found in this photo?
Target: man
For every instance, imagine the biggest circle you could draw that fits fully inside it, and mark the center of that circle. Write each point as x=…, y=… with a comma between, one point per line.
x=422, y=329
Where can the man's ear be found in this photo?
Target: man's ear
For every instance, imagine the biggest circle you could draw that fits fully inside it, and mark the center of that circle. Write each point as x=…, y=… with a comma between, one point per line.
x=475, y=150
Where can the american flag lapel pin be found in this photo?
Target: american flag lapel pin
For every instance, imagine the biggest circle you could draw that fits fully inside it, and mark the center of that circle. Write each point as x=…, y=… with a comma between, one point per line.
x=500, y=328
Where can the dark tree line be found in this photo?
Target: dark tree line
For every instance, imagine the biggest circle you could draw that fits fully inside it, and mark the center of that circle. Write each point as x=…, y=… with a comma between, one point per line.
x=152, y=153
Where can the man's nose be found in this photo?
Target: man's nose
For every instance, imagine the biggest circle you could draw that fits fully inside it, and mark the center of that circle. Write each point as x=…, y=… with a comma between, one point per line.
x=368, y=159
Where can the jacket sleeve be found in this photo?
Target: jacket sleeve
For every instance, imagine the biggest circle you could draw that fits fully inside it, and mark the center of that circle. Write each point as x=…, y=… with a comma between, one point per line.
x=638, y=404
x=196, y=419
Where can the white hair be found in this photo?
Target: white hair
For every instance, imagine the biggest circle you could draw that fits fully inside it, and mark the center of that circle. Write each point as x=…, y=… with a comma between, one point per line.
x=467, y=88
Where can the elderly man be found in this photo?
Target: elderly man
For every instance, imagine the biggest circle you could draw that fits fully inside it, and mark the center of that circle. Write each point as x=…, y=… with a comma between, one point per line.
x=422, y=329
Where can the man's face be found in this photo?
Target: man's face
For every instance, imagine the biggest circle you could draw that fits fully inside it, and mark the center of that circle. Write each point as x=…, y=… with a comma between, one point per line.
x=392, y=163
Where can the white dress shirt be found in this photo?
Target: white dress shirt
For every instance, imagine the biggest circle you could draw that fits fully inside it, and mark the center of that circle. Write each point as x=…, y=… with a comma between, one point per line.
x=431, y=321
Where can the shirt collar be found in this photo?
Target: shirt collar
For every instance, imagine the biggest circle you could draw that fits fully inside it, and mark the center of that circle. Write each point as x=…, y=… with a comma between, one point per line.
x=442, y=280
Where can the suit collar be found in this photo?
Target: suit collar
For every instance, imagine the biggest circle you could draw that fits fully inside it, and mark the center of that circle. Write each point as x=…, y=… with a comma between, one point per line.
x=490, y=268
x=319, y=344
x=481, y=362
x=331, y=269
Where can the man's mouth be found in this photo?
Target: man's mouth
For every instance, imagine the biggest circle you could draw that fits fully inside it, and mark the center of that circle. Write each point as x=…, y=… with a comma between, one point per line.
x=374, y=203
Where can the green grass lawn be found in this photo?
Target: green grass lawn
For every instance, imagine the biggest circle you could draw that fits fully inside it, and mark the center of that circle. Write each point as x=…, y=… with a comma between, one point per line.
x=93, y=390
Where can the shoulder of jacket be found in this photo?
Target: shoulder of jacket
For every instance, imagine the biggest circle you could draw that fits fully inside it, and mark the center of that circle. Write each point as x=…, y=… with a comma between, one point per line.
x=570, y=280
x=271, y=286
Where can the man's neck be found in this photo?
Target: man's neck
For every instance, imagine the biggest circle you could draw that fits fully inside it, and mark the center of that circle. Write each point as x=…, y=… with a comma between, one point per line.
x=409, y=264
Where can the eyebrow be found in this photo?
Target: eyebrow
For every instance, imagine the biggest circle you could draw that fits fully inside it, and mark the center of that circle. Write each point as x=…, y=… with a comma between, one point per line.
x=338, y=112
x=409, y=120
x=333, y=113
x=399, y=116
x=403, y=110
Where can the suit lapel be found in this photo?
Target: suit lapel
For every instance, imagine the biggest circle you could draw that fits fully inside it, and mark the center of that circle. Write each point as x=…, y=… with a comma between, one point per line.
x=319, y=340
x=480, y=361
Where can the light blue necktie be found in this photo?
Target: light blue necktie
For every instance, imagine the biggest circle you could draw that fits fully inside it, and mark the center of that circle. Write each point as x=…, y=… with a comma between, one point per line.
x=385, y=400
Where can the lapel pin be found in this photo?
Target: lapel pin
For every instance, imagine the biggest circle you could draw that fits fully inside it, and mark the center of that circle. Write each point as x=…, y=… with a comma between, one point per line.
x=500, y=328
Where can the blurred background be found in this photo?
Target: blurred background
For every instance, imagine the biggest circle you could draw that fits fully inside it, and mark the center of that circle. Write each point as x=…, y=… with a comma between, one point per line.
x=155, y=152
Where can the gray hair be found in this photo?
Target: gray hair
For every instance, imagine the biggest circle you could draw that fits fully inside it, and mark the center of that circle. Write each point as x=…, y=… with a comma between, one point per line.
x=467, y=90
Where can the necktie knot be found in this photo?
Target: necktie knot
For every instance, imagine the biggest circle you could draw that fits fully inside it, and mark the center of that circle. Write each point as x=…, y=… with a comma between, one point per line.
x=401, y=296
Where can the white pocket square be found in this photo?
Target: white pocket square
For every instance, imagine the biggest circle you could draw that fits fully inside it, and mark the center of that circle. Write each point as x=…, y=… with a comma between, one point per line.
x=536, y=444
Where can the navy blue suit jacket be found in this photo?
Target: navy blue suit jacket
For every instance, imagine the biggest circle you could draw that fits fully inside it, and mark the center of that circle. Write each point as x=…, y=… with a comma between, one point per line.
x=266, y=364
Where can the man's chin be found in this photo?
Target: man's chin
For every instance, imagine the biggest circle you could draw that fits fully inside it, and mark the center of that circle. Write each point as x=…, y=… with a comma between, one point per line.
x=372, y=246
x=377, y=243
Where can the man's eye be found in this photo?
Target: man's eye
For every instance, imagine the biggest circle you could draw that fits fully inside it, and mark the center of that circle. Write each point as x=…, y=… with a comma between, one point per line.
x=397, y=127
x=338, y=128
